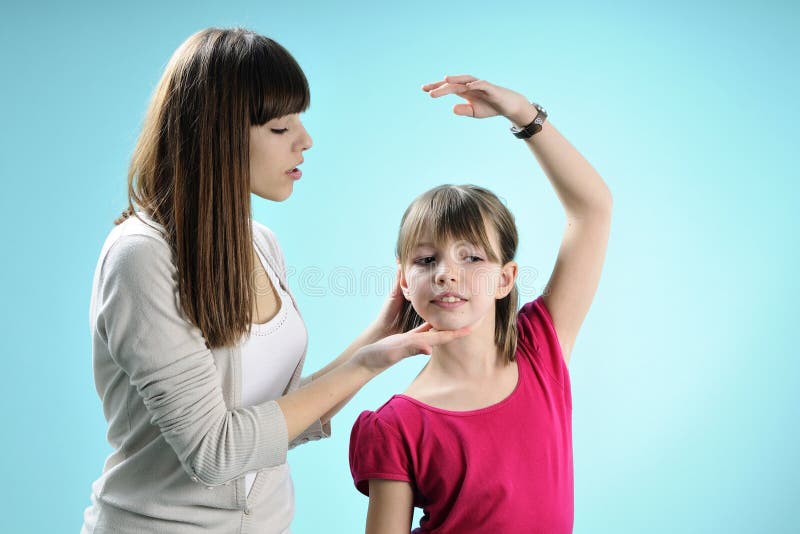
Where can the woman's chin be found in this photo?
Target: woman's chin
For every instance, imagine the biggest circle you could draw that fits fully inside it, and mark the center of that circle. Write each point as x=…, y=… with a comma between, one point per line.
x=275, y=195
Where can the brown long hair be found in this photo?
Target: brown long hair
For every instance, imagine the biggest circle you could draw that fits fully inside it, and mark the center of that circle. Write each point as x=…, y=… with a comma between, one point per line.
x=463, y=212
x=190, y=170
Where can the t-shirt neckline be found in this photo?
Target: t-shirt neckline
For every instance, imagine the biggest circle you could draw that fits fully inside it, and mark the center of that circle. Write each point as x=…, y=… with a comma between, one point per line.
x=477, y=411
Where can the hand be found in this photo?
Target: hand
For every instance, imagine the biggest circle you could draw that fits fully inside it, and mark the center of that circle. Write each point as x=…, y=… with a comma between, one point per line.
x=384, y=324
x=388, y=351
x=484, y=99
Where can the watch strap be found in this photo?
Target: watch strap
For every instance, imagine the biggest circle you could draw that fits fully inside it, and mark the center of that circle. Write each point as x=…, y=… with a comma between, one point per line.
x=534, y=127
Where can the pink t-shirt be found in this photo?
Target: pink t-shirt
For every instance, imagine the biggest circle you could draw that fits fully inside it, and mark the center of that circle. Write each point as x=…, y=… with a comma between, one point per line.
x=503, y=468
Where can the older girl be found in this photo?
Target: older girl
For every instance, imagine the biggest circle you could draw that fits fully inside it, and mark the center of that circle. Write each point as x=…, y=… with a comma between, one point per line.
x=198, y=345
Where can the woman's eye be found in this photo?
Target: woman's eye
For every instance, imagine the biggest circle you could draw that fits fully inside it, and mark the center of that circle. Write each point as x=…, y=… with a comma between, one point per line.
x=279, y=130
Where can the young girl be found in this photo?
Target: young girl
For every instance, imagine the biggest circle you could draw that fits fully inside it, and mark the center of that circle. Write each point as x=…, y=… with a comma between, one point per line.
x=482, y=440
x=198, y=345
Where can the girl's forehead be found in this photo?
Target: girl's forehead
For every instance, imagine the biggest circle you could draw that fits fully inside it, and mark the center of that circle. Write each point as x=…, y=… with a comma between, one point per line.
x=446, y=242
x=426, y=239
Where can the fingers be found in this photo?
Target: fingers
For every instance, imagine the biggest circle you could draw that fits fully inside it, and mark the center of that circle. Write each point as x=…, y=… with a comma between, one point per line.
x=478, y=85
x=434, y=85
x=448, y=88
x=440, y=337
x=464, y=109
x=424, y=327
x=471, y=82
x=461, y=78
x=396, y=290
x=425, y=349
x=440, y=89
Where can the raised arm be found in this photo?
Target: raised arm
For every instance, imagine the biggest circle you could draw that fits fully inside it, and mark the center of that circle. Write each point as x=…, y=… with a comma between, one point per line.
x=583, y=194
x=587, y=204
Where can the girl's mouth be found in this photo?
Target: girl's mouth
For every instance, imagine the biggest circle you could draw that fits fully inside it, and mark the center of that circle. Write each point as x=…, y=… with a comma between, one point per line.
x=448, y=301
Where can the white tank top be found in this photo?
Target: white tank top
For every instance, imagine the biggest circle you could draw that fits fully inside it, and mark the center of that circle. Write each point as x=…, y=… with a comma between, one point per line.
x=269, y=357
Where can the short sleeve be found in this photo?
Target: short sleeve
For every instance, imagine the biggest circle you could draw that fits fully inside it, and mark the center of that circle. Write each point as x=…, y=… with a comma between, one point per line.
x=538, y=336
x=377, y=451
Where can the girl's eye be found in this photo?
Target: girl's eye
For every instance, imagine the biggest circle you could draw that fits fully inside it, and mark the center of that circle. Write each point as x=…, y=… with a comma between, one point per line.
x=474, y=258
x=279, y=130
x=425, y=261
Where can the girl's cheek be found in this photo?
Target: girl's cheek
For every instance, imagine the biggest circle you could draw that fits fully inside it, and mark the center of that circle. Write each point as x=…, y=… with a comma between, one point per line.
x=413, y=284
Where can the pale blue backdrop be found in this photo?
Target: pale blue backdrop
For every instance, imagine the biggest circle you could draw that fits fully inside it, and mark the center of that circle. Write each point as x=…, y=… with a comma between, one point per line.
x=684, y=377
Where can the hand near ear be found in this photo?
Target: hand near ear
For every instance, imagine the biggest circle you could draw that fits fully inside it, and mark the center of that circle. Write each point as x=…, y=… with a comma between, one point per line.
x=386, y=322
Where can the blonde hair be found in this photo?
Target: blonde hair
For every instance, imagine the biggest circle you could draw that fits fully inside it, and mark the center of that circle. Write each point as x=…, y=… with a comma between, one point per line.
x=463, y=212
x=190, y=170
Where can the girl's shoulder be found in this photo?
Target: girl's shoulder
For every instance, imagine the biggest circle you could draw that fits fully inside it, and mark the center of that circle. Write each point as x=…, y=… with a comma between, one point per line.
x=538, y=340
x=390, y=412
x=395, y=416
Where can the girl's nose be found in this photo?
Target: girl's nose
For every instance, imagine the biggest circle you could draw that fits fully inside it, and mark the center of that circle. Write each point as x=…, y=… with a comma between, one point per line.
x=445, y=272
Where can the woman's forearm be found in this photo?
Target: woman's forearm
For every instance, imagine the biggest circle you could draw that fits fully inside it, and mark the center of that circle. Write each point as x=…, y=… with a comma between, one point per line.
x=368, y=336
x=579, y=187
x=302, y=407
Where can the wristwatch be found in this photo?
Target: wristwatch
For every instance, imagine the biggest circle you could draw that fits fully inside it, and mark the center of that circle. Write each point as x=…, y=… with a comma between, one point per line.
x=534, y=127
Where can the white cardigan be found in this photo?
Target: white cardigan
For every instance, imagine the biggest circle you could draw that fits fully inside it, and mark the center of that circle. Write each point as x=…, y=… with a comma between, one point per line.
x=182, y=441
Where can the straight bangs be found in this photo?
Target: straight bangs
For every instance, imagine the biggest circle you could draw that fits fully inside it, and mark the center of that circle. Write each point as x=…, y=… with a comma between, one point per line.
x=445, y=213
x=277, y=83
x=190, y=170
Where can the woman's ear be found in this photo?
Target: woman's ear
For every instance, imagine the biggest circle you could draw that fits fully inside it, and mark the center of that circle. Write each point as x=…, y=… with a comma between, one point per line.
x=508, y=277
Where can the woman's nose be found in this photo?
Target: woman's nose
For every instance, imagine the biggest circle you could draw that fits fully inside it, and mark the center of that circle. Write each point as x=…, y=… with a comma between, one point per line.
x=305, y=142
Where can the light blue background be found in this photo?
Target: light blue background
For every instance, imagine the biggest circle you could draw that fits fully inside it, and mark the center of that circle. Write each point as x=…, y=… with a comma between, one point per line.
x=685, y=379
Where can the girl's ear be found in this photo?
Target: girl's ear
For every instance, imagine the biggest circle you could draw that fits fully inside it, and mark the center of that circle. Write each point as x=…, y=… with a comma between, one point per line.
x=403, y=281
x=508, y=277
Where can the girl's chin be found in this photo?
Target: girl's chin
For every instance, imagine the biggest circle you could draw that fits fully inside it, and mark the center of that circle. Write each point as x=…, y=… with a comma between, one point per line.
x=439, y=324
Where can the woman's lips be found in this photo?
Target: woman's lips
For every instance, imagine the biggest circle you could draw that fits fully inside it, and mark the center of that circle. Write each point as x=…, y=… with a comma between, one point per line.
x=295, y=173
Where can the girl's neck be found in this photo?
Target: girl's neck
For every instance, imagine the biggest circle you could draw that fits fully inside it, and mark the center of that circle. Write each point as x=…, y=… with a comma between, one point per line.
x=473, y=356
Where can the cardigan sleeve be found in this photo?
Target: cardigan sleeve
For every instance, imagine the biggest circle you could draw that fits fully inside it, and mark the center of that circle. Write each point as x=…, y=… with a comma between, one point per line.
x=167, y=361
x=318, y=430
